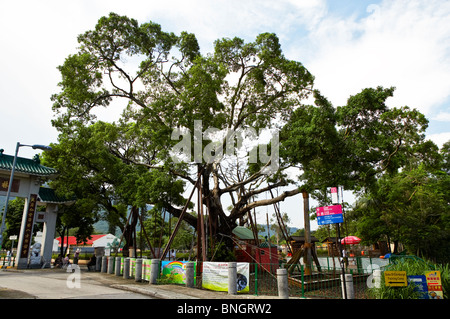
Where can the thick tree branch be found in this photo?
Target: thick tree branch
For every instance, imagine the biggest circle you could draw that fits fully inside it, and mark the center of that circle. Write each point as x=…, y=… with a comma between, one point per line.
x=266, y=202
x=238, y=185
x=176, y=212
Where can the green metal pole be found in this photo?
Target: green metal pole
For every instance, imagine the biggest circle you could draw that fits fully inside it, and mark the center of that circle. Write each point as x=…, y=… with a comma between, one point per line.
x=303, y=281
x=256, y=279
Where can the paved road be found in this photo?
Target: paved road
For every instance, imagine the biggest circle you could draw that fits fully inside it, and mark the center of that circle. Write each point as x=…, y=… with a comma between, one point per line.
x=58, y=284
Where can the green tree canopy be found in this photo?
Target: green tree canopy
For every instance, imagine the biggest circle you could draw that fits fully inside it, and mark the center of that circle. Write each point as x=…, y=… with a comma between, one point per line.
x=163, y=83
x=168, y=84
x=410, y=207
x=352, y=145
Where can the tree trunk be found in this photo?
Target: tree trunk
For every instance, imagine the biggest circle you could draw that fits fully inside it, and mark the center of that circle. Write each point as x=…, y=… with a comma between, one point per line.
x=395, y=247
x=129, y=231
x=63, y=236
x=218, y=225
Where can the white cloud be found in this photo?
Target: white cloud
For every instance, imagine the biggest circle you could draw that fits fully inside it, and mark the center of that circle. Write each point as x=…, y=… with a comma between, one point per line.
x=442, y=117
x=439, y=138
x=400, y=43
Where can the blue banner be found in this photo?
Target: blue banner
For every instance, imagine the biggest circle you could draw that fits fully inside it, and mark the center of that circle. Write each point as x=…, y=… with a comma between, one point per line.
x=330, y=219
x=420, y=285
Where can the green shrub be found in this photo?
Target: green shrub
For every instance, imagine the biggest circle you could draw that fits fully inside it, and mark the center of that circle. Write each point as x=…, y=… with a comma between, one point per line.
x=413, y=266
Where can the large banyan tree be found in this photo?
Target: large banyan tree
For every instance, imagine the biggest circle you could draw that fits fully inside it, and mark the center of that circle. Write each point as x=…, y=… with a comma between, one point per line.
x=238, y=117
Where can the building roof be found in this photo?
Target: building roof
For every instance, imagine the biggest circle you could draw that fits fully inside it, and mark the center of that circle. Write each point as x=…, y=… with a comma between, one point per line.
x=48, y=195
x=266, y=244
x=301, y=239
x=243, y=233
x=330, y=240
x=73, y=240
x=25, y=165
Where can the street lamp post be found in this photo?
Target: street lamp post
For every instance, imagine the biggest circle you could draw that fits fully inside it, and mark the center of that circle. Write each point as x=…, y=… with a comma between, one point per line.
x=35, y=146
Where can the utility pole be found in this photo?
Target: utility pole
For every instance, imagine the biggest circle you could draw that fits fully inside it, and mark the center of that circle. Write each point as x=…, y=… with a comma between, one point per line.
x=307, y=245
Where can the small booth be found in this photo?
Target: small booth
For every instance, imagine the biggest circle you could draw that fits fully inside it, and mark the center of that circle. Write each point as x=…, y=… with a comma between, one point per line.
x=332, y=246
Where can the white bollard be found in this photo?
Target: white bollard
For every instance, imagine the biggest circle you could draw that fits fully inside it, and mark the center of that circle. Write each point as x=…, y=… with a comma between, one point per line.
x=98, y=263
x=347, y=284
x=104, y=264
x=190, y=274
x=232, y=278
x=282, y=281
x=117, y=266
x=110, y=265
x=138, y=270
x=154, y=271
x=126, y=268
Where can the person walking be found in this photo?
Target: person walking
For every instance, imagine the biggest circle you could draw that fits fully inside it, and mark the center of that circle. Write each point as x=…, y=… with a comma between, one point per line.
x=75, y=257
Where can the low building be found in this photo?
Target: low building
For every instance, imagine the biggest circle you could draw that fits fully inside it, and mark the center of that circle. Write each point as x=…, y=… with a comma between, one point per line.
x=102, y=240
x=251, y=251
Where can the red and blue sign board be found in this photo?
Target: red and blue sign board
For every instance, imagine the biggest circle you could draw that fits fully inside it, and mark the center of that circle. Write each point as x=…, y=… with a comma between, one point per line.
x=329, y=215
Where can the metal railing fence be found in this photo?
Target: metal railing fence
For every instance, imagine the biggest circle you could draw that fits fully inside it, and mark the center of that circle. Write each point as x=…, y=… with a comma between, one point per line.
x=303, y=283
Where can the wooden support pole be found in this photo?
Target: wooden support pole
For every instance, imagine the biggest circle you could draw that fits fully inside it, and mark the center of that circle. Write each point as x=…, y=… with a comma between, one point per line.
x=307, y=255
x=202, y=222
x=145, y=235
x=180, y=219
x=282, y=225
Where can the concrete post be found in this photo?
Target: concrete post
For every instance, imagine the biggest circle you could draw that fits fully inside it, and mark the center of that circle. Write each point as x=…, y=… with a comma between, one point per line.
x=110, y=265
x=232, y=278
x=98, y=263
x=282, y=280
x=51, y=213
x=154, y=271
x=138, y=270
x=126, y=268
x=117, y=266
x=190, y=274
x=347, y=282
x=104, y=263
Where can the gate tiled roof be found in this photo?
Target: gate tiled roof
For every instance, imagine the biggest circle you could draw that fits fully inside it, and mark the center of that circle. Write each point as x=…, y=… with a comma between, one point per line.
x=25, y=165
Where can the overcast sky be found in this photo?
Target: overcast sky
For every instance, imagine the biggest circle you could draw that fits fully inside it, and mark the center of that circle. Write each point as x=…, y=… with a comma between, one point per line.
x=347, y=45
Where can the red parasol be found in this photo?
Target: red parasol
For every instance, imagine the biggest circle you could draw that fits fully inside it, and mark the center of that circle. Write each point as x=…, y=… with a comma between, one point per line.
x=350, y=240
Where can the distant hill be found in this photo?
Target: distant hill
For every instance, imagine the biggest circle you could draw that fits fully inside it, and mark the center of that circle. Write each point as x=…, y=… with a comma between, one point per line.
x=101, y=227
x=264, y=233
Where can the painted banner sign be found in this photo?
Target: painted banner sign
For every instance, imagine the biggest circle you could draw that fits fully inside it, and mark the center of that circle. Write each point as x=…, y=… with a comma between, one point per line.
x=175, y=271
x=329, y=215
x=132, y=267
x=146, y=267
x=215, y=276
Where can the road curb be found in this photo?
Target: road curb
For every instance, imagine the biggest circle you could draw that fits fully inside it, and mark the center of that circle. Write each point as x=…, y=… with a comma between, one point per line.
x=156, y=293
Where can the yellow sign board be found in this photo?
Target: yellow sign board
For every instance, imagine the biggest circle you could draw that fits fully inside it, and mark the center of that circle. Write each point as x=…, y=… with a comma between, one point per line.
x=395, y=278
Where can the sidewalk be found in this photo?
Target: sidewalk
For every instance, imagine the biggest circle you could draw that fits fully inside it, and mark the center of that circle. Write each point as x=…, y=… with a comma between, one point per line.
x=156, y=291
x=164, y=291
x=181, y=292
